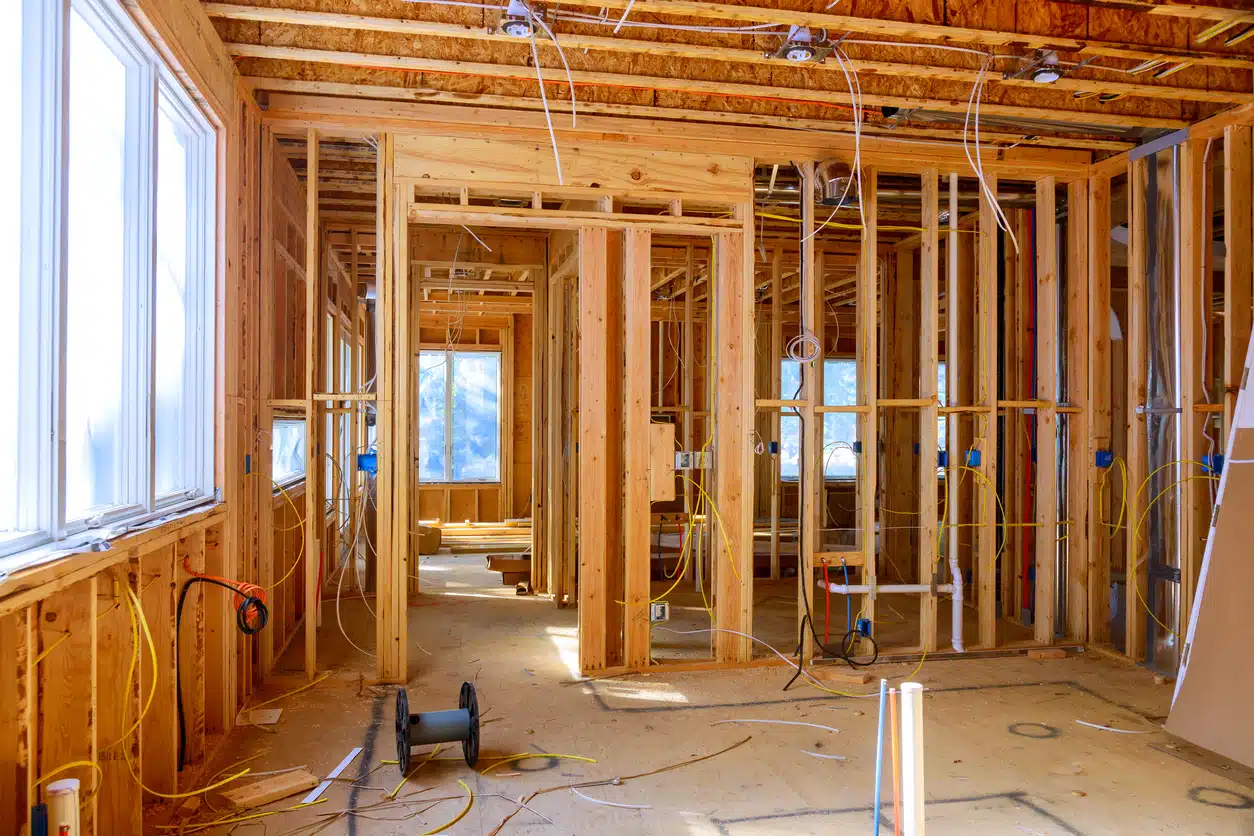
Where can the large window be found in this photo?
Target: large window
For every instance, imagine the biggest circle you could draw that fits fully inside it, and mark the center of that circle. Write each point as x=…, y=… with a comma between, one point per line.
x=287, y=450
x=109, y=328
x=459, y=416
x=840, y=429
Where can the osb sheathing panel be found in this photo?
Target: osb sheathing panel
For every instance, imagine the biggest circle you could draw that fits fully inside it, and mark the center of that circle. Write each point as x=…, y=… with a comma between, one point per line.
x=1067, y=20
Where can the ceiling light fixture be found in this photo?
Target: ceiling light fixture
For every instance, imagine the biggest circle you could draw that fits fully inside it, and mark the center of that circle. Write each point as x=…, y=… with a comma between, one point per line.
x=516, y=21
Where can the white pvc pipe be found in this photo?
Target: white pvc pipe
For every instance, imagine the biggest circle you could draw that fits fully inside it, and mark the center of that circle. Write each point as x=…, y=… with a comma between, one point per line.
x=883, y=588
x=912, y=759
x=63, y=813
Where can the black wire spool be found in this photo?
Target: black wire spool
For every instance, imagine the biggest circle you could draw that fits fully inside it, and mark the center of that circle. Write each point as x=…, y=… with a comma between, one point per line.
x=459, y=724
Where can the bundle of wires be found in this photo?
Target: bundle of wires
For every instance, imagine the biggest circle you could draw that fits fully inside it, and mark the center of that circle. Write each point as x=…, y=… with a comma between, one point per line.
x=251, y=617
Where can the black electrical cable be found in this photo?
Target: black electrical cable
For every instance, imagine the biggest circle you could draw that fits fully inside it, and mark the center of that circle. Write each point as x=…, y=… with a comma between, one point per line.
x=250, y=609
x=850, y=638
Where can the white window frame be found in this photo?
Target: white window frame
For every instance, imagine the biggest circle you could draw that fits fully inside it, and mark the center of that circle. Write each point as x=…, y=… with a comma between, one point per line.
x=44, y=275
x=449, y=354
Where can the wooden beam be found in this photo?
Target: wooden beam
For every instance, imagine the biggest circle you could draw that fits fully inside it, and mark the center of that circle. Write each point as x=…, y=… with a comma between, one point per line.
x=1079, y=456
x=810, y=464
x=1100, y=484
x=314, y=511
x=1135, y=339
x=516, y=72
x=868, y=383
x=1194, y=305
x=712, y=54
x=775, y=359
x=391, y=631
x=595, y=490
x=1238, y=266
x=986, y=425
x=929, y=352
x=732, y=551
x=636, y=521
x=689, y=116
x=1046, y=332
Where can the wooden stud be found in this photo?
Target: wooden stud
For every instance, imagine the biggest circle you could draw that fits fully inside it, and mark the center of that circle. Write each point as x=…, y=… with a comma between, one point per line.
x=1079, y=458
x=313, y=424
x=1238, y=262
x=1135, y=339
x=731, y=555
x=986, y=425
x=775, y=359
x=929, y=348
x=1043, y=608
x=868, y=390
x=1100, y=485
x=811, y=518
x=636, y=521
x=595, y=490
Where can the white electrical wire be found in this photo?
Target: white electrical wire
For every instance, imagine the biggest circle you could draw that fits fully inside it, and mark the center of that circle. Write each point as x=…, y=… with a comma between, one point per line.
x=855, y=99
x=821, y=755
x=779, y=723
x=476, y=237
x=548, y=117
x=976, y=163
x=570, y=79
x=1109, y=729
x=605, y=803
x=623, y=19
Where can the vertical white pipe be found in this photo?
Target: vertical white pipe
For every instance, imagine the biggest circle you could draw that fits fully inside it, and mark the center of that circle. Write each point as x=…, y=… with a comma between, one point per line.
x=912, y=759
x=63, y=807
x=951, y=424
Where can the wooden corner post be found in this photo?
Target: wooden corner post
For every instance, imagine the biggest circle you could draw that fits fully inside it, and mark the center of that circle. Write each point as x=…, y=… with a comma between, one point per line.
x=391, y=633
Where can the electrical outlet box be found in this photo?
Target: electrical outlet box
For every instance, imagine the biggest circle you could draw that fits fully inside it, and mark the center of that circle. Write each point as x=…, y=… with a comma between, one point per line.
x=1103, y=458
x=692, y=460
x=659, y=612
x=973, y=457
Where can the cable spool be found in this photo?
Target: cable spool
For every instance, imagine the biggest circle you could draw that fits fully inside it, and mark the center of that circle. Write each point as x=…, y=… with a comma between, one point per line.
x=427, y=727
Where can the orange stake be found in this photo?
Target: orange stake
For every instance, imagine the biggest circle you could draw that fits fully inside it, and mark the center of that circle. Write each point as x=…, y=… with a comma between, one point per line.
x=896, y=749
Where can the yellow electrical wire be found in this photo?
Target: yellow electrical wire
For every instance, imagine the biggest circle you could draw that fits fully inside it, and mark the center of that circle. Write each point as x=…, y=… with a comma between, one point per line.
x=530, y=755
x=304, y=687
x=74, y=765
x=470, y=800
x=1136, y=533
x=719, y=518
x=126, y=752
x=414, y=771
x=196, y=828
x=286, y=495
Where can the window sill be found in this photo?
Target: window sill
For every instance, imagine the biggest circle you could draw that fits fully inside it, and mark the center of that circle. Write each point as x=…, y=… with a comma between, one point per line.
x=465, y=484
x=102, y=539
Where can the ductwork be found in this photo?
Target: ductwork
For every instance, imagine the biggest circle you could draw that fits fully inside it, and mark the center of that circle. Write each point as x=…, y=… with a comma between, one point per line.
x=836, y=184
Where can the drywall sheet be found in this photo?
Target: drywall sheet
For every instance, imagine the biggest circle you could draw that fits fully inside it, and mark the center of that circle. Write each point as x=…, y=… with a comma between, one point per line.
x=1212, y=703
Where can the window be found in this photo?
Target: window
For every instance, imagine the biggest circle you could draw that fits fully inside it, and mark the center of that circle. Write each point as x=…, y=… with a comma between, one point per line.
x=287, y=450
x=840, y=429
x=110, y=420
x=459, y=416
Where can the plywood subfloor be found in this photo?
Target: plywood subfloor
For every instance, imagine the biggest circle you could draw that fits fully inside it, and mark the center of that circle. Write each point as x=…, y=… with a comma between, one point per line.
x=1003, y=751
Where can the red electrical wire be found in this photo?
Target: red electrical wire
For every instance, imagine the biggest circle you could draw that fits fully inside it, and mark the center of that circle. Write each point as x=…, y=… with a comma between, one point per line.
x=243, y=590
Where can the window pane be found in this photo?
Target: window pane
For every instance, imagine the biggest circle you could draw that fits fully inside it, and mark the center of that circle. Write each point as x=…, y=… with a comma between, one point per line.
x=287, y=450
x=789, y=446
x=476, y=416
x=940, y=422
x=10, y=277
x=175, y=455
x=840, y=382
x=840, y=431
x=96, y=286
x=432, y=371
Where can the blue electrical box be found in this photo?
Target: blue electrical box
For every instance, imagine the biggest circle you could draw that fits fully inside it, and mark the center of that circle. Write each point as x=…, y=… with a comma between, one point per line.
x=857, y=447
x=1104, y=458
x=942, y=458
x=973, y=457
x=368, y=462
x=916, y=448
x=773, y=448
x=1213, y=464
x=864, y=627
